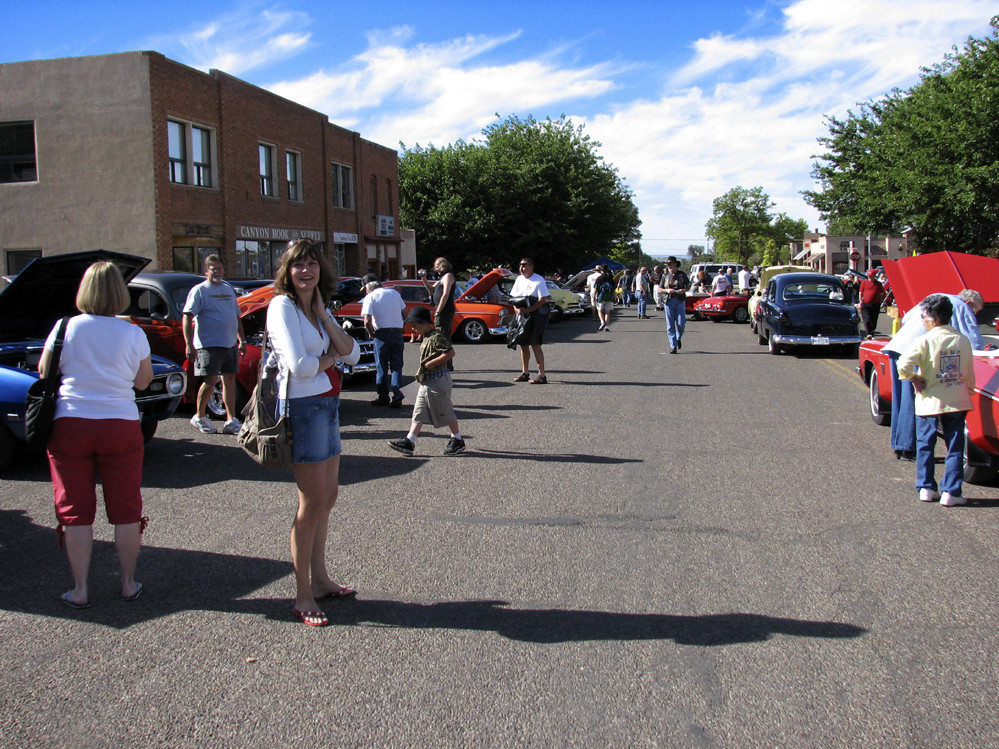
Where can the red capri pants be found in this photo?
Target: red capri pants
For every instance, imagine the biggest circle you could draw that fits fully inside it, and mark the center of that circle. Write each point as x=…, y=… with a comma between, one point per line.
x=81, y=447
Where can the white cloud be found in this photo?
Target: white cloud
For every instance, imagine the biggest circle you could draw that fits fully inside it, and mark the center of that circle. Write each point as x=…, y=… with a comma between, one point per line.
x=745, y=110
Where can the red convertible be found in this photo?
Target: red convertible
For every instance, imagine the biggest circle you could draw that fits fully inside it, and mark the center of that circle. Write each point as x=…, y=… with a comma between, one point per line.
x=718, y=308
x=912, y=280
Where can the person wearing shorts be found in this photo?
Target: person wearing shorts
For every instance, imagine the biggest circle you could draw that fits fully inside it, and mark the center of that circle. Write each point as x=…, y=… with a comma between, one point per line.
x=530, y=284
x=214, y=344
x=97, y=429
x=308, y=342
x=433, y=402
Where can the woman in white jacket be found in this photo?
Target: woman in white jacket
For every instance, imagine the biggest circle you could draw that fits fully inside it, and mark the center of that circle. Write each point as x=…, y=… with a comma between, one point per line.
x=308, y=342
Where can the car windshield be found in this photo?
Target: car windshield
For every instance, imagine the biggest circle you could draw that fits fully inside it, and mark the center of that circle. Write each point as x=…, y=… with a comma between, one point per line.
x=821, y=291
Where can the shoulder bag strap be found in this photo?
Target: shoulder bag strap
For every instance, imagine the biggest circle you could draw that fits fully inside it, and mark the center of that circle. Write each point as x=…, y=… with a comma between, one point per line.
x=53, y=376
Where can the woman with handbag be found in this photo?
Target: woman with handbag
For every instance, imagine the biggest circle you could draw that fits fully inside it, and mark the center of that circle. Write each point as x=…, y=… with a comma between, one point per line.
x=96, y=428
x=308, y=342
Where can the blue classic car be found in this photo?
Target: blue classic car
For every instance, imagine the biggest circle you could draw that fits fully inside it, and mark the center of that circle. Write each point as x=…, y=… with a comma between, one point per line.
x=29, y=307
x=806, y=309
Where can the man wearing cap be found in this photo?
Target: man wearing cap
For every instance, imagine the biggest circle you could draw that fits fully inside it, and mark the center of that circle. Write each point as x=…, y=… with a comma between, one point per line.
x=673, y=287
x=383, y=310
x=872, y=293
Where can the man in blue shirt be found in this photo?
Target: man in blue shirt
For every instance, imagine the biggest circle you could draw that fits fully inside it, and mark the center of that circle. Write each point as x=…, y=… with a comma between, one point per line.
x=215, y=343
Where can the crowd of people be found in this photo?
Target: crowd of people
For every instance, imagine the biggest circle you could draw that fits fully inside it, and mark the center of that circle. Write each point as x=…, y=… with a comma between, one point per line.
x=103, y=358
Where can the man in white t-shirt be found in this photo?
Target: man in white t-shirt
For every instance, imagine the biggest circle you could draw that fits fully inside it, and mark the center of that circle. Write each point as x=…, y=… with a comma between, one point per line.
x=744, y=278
x=720, y=285
x=591, y=288
x=383, y=310
x=215, y=343
x=529, y=284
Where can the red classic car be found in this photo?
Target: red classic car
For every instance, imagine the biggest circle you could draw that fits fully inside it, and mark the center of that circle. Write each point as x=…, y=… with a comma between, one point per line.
x=474, y=321
x=913, y=279
x=718, y=308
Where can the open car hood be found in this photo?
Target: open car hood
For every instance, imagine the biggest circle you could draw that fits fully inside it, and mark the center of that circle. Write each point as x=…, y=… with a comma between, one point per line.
x=481, y=287
x=46, y=290
x=256, y=300
x=914, y=278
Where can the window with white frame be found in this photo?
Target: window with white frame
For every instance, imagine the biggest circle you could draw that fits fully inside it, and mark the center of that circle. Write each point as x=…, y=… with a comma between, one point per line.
x=343, y=186
x=191, y=150
x=201, y=156
x=293, y=161
x=177, y=147
x=267, y=187
x=17, y=152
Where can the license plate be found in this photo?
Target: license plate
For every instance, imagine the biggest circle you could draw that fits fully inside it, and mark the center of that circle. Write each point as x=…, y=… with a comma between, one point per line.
x=820, y=340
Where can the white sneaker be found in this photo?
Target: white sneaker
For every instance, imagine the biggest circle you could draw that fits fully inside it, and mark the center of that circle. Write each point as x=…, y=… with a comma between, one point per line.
x=928, y=495
x=606, y=329
x=232, y=426
x=600, y=326
x=949, y=500
x=204, y=424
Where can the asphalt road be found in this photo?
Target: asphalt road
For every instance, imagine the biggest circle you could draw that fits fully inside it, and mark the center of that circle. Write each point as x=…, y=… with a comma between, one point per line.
x=713, y=549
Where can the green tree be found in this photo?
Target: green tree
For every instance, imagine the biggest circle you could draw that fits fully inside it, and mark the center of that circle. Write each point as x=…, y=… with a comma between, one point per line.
x=925, y=158
x=529, y=187
x=695, y=251
x=739, y=215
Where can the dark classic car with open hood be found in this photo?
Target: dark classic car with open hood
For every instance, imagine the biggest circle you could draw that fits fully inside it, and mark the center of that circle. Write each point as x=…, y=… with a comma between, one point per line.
x=31, y=304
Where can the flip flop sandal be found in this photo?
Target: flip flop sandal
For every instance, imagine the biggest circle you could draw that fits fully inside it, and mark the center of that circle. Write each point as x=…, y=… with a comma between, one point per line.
x=542, y=380
x=523, y=377
x=72, y=604
x=311, y=618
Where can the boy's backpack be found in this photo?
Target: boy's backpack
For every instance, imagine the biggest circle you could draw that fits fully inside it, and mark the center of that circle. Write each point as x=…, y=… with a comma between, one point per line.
x=605, y=288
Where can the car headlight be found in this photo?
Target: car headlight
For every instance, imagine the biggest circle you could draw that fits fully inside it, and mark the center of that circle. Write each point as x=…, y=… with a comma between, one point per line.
x=175, y=383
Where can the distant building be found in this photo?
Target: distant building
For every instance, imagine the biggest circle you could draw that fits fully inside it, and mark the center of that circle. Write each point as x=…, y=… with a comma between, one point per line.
x=137, y=153
x=829, y=254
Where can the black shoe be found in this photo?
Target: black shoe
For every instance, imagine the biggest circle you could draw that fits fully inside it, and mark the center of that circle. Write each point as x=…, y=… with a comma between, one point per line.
x=403, y=446
x=454, y=447
x=672, y=350
x=679, y=344
x=396, y=403
x=380, y=402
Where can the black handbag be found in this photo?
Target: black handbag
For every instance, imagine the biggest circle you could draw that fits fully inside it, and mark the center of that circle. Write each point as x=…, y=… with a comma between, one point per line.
x=40, y=402
x=264, y=436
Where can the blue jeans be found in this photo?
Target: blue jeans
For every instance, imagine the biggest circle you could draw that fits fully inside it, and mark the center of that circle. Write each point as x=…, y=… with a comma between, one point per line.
x=388, y=358
x=640, y=301
x=676, y=320
x=903, y=409
x=952, y=425
x=626, y=298
x=315, y=426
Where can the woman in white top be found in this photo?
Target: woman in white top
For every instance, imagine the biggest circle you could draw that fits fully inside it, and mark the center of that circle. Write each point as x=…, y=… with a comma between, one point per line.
x=97, y=427
x=308, y=342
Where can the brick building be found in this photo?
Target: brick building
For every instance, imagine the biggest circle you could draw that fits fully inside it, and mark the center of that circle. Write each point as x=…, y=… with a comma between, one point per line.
x=137, y=153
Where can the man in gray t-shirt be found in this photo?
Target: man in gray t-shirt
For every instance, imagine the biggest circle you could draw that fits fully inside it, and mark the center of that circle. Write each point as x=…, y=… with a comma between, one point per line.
x=215, y=343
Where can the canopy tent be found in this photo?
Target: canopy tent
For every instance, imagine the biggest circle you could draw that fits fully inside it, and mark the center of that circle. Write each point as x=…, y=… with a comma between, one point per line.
x=914, y=278
x=611, y=264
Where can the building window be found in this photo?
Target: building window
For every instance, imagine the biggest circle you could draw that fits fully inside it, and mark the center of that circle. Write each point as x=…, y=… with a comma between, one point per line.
x=294, y=165
x=343, y=186
x=17, y=152
x=190, y=148
x=388, y=197
x=374, y=196
x=177, y=138
x=18, y=259
x=201, y=156
x=267, y=170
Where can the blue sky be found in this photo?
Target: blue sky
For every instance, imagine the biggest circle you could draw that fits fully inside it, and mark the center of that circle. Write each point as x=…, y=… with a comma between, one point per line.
x=688, y=98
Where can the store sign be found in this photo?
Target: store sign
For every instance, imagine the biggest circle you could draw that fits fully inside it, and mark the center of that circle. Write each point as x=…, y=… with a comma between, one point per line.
x=268, y=233
x=386, y=226
x=340, y=237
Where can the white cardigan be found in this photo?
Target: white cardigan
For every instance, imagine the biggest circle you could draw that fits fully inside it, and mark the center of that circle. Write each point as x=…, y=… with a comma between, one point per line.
x=298, y=345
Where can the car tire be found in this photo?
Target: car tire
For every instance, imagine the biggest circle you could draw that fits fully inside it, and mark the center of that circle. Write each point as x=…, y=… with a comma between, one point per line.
x=473, y=331
x=880, y=409
x=773, y=346
x=985, y=466
x=149, y=429
x=216, y=406
x=761, y=335
x=6, y=447
x=740, y=315
x=556, y=314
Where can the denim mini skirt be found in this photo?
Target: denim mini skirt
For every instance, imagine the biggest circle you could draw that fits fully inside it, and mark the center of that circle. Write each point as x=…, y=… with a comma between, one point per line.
x=315, y=427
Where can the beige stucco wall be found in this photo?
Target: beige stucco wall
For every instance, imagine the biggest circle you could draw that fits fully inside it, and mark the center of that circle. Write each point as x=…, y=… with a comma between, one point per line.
x=93, y=135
